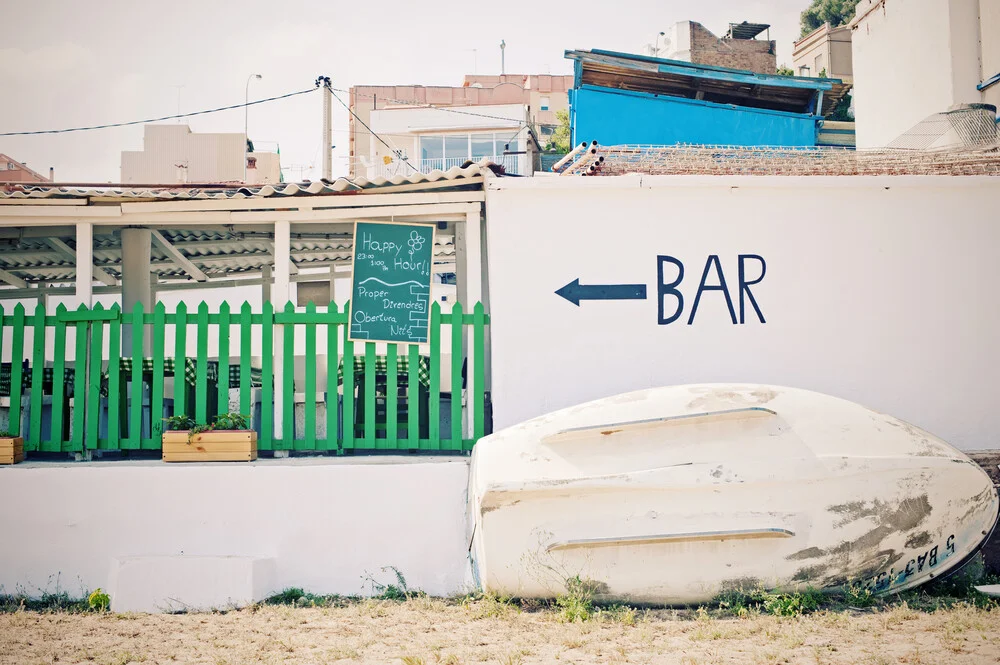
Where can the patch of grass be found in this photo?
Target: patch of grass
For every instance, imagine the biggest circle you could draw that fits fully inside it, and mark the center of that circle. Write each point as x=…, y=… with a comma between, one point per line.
x=47, y=602
x=578, y=602
x=857, y=595
x=491, y=606
x=948, y=593
x=398, y=591
x=126, y=657
x=412, y=660
x=296, y=597
x=623, y=614
x=793, y=604
x=750, y=602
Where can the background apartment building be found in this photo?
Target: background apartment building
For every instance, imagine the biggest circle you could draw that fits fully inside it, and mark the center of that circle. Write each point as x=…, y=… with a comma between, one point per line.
x=739, y=48
x=826, y=51
x=915, y=59
x=174, y=154
x=537, y=98
x=12, y=170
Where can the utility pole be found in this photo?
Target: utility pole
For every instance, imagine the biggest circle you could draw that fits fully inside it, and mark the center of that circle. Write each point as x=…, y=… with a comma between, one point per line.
x=503, y=67
x=327, y=93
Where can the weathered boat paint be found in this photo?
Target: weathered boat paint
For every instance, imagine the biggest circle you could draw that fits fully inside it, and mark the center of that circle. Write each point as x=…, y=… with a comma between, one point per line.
x=674, y=495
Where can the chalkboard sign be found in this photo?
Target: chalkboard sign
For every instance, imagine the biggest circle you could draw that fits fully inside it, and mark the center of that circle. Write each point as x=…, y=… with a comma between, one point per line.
x=391, y=287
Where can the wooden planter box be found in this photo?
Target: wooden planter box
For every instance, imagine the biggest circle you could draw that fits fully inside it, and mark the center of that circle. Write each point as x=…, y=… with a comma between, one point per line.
x=11, y=450
x=233, y=445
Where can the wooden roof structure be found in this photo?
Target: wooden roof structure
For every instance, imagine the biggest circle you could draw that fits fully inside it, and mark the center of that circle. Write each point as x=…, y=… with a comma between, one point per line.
x=721, y=85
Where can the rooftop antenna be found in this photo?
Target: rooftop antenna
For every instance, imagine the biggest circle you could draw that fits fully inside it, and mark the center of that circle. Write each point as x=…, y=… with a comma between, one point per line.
x=178, y=100
x=503, y=67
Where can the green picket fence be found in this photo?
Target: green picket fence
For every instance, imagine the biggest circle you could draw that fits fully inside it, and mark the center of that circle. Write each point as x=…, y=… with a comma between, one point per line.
x=85, y=388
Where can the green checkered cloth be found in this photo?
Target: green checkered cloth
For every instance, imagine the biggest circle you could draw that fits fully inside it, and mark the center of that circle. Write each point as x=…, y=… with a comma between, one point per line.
x=256, y=376
x=169, y=366
x=381, y=368
x=5, y=372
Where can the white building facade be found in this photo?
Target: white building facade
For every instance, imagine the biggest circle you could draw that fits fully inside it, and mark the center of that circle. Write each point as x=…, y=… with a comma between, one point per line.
x=174, y=154
x=423, y=139
x=882, y=304
x=914, y=59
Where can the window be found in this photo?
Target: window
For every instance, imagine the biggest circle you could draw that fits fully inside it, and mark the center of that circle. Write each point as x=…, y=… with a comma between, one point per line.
x=819, y=64
x=456, y=147
x=431, y=147
x=11, y=166
x=482, y=146
x=545, y=103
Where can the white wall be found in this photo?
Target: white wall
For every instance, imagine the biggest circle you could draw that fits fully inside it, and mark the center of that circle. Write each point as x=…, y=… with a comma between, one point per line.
x=209, y=157
x=877, y=290
x=325, y=522
x=912, y=59
x=457, y=118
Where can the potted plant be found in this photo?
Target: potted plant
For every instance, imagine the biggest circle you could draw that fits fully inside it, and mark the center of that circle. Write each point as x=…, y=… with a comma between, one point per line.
x=228, y=438
x=11, y=448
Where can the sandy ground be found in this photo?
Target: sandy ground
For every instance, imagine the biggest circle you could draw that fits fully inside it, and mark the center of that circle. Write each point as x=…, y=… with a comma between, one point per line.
x=426, y=631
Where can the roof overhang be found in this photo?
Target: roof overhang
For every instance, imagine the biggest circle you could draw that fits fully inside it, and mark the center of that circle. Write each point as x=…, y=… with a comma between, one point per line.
x=658, y=76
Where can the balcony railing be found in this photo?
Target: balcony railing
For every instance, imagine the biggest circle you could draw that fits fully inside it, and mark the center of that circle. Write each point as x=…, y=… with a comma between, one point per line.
x=511, y=164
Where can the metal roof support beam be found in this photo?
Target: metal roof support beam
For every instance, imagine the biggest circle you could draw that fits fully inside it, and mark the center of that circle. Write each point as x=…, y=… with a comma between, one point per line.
x=178, y=258
x=13, y=280
x=100, y=274
x=292, y=268
x=246, y=220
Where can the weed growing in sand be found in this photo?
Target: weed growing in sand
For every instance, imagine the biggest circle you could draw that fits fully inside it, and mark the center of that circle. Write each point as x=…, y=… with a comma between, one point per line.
x=398, y=591
x=578, y=602
x=623, y=614
x=491, y=606
x=750, y=602
x=412, y=660
x=858, y=595
x=98, y=601
x=296, y=597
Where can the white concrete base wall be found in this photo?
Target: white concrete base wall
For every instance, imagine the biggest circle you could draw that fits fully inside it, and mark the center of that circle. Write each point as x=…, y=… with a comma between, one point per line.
x=188, y=583
x=326, y=523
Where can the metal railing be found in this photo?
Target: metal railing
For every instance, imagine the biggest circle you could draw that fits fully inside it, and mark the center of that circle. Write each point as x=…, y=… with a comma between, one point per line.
x=511, y=164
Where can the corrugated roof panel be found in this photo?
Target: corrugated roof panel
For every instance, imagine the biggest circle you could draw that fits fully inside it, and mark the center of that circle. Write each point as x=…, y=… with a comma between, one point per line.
x=167, y=193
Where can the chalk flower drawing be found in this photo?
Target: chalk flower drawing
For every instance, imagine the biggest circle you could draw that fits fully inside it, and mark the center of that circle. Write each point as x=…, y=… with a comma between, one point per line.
x=415, y=242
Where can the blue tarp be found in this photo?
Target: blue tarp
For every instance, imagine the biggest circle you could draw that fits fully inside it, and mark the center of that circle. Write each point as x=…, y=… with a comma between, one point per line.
x=613, y=117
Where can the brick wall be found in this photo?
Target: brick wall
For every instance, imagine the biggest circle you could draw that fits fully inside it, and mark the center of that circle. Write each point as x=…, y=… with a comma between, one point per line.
x=750, y=54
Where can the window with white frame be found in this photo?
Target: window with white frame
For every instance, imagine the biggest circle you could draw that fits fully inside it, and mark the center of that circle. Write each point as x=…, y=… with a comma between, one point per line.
x=545, y=101
x=443, y=151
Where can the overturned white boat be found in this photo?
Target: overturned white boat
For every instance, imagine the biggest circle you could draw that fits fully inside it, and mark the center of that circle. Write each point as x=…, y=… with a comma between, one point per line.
x=674, y=495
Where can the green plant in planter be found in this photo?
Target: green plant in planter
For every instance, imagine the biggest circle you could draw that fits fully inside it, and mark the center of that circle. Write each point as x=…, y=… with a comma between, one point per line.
x=223, y=421
x=232, y=421
x=180, y=422
x=4, y=434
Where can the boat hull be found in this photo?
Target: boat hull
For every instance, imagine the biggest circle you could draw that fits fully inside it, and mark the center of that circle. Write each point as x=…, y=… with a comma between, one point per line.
x=675, y=495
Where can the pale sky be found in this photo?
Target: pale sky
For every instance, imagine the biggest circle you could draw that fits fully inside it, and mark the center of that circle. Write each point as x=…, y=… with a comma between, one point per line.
x=68, y=64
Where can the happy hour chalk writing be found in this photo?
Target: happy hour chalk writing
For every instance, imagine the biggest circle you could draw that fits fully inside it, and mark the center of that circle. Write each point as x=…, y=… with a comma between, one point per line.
x=391, y=283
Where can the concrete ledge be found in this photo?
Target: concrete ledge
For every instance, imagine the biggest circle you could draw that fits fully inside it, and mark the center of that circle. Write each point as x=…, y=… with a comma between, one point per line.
x=192, y=583
x=328, y=524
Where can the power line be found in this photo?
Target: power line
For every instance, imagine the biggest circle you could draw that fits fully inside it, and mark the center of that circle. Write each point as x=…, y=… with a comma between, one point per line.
x=394, y=151
x=167, y=117
x=438, y=108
